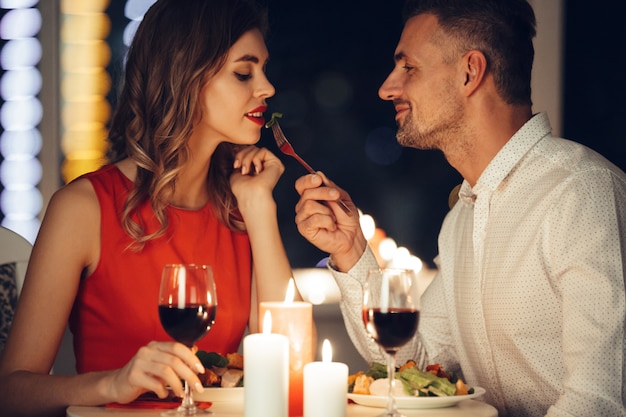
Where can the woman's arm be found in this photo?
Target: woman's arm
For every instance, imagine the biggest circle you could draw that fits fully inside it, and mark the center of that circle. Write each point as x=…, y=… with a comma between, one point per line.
x=64, y=247
x=253, y=186
x=68, y=244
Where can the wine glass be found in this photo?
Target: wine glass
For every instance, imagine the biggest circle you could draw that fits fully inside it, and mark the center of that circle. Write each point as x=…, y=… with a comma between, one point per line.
x=391, y=315
x=187, y=309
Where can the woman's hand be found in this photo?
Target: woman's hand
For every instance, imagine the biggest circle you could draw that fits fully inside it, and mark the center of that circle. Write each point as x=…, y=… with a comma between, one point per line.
x=257, y=171
x=153, y=368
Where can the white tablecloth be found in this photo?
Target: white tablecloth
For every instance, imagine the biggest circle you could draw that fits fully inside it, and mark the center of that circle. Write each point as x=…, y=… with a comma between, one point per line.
x=467, y=408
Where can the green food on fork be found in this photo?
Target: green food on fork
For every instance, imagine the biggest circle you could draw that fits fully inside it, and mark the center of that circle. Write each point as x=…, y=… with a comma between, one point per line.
x=275, y=116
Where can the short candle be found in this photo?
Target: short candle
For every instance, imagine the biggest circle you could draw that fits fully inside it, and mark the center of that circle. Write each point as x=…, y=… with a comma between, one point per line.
x=325, y=386
x=266, y=364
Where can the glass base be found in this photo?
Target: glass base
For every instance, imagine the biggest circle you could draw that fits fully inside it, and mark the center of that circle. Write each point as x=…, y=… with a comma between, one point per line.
x=391, y=414
x=184, y=411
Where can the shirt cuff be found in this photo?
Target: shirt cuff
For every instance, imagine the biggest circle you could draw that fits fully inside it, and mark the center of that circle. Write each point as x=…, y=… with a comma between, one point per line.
x=358, y=273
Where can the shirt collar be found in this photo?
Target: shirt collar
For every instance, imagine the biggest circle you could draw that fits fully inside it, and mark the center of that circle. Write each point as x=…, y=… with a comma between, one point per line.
x=508, y=157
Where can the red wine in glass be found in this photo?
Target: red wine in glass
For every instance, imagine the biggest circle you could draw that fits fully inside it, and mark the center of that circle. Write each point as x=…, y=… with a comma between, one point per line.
x=187, y=325
x=391, y=329
x=187, y=309
x=391, y=316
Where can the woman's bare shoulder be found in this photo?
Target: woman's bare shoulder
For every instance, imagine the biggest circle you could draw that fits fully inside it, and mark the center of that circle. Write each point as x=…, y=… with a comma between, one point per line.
x=75, y=202
x=72, y=219
x=75, y=193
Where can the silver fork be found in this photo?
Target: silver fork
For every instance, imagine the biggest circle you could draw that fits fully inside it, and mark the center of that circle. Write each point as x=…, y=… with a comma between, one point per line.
x=286, y=148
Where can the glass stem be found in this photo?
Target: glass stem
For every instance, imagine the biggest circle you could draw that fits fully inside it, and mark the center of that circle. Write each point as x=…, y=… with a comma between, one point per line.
x=392, y=408
x=187, y=407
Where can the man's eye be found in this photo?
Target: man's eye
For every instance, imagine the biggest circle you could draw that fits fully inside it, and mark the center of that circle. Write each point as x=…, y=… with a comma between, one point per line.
x=407, y=68
x=243, y=77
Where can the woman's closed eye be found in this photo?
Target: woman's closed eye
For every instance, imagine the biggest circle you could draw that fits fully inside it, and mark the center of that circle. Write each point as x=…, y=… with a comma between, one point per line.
x=243, y=77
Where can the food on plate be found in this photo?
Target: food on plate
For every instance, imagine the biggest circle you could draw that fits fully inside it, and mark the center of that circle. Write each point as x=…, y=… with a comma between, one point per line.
x=360, y=383
x=235, y=360
x=221, y=371
x=231, y=378
x=275, y=116
x=434, y=381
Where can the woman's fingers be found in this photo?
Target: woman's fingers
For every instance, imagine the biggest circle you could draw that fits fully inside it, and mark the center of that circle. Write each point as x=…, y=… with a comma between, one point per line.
x=188, y=356
x=160, y=365
x=253, y=160
x=147, y=380
x=179, y=362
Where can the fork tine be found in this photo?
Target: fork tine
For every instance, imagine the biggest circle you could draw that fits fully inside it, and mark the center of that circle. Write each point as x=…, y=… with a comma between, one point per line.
x=279, y=136
x=286, y=148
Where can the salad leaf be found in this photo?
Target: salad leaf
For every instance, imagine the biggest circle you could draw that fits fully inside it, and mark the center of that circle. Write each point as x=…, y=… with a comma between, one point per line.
x=377, y=370
x=210, y=359
x=275, y=116
x=416, y=381
x=435, y=381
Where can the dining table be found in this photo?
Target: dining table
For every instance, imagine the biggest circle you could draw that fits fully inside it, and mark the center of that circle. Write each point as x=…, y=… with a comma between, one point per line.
x=466, y=408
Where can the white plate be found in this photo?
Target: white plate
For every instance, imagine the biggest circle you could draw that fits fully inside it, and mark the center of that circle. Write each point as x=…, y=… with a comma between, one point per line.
x=380, y=401
x=220, y=395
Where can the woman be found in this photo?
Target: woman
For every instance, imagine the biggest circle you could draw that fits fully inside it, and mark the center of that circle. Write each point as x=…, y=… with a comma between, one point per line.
x=184, y=186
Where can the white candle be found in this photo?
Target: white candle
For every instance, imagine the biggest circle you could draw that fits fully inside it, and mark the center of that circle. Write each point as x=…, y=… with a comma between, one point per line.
x=325, y=386
x=266, y=365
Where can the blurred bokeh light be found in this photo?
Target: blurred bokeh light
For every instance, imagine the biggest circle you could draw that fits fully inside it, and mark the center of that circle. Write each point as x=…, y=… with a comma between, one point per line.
x=20, y=114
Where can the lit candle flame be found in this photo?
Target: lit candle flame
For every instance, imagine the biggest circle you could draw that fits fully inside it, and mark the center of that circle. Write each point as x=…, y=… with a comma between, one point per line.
x=267, y=322
x=327, y=351
x=289, y=296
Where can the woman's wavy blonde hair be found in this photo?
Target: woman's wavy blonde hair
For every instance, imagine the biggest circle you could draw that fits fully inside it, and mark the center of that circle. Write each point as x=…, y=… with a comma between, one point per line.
x=178, y=47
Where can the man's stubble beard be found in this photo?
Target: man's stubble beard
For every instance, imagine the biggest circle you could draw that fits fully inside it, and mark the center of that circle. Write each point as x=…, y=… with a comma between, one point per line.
x=409, y=135
x=443, y=133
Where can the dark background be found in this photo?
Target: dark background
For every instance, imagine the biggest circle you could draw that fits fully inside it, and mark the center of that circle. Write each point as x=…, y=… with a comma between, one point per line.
x=328, y=59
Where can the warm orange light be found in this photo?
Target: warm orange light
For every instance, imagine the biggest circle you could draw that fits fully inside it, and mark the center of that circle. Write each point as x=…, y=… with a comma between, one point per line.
x=71, y=7
x=85, y=84
x=88, y=83
x=374, y=242
x=84, y=141
x=85, y=111
x=87, y=55
x=87, y=26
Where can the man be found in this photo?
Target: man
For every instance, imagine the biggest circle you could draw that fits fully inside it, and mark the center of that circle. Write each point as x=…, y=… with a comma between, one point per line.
x=529, y=300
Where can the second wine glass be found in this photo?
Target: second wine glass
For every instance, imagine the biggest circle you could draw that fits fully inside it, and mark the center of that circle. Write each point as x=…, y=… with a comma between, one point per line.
x=187, y=310
x=391, y=316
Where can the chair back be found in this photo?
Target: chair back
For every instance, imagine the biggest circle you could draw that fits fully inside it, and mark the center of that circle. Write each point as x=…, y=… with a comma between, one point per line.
x=14, y=255
x=15, y=248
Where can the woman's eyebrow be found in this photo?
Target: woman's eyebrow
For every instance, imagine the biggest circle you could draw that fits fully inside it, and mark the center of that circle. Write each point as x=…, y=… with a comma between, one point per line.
x=248, y=58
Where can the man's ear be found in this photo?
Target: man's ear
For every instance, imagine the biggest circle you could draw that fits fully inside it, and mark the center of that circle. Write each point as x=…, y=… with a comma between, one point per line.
x=475, y=68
